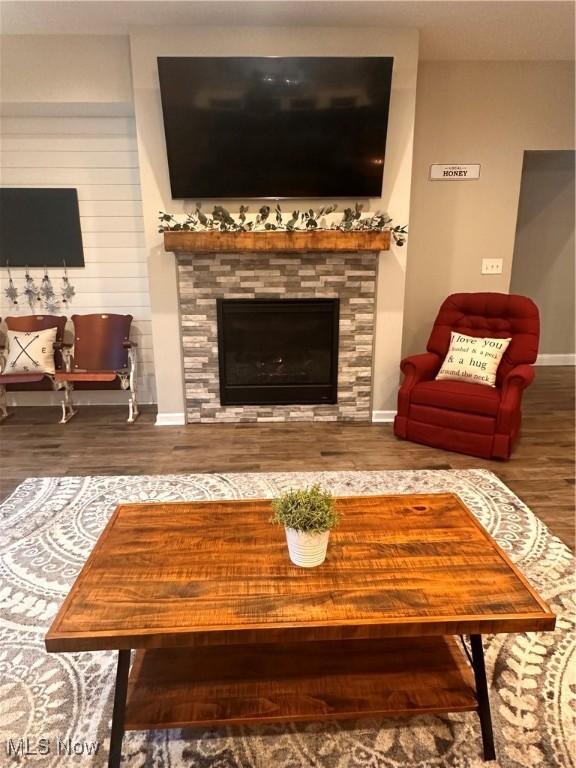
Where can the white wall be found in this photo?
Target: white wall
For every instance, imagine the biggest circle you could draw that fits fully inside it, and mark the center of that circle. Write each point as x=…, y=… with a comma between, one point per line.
x=475, y=112
x=63, y=96
x=99, y=156
x=146, y=46
x=65, y=75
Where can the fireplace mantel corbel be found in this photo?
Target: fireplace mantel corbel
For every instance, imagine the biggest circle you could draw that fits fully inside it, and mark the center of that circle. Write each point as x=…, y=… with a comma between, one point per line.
x=212, y=241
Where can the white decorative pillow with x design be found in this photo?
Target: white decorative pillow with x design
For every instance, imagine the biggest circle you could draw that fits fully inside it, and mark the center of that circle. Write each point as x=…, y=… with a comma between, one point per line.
x=31, y=352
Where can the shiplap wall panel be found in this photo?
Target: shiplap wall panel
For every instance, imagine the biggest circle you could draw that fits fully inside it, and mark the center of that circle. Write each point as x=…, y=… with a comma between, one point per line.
x=108, y=208
x=62, y=126
x=106, y=269
x=61, y=159
x=97, y=156
x=12, y=143
x=107, y=224
x=101, y=192
x=113, y=239
x=70, y=177
x=110, y=286
x=90, y=302
x=114, y=255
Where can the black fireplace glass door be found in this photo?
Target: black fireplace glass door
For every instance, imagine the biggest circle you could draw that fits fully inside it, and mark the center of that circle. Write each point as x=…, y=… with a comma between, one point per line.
x=278, y=351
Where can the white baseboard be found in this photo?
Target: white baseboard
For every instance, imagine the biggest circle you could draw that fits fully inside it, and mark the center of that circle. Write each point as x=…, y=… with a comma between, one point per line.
x=170, y=419
x=567, y=358
x=383, y=416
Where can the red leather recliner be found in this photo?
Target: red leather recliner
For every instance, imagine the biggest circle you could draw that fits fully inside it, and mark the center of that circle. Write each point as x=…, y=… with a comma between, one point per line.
x=464, y=416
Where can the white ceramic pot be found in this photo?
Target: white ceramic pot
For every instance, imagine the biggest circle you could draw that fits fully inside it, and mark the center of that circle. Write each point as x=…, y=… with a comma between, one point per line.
x=307, y=549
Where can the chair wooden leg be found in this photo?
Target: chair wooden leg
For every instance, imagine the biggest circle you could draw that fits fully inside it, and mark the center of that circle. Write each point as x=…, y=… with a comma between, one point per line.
x=68, y=410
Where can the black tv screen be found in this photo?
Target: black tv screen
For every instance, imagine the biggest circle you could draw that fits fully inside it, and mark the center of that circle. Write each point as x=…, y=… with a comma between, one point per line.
x=40, y=227
x=275, y=127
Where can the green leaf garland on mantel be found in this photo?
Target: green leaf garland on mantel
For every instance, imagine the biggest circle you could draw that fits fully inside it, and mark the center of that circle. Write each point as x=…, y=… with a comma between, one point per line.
x=268, y=219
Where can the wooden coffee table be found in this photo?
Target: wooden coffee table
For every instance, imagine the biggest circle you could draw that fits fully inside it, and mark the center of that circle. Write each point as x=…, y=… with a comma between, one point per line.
x=228, y=631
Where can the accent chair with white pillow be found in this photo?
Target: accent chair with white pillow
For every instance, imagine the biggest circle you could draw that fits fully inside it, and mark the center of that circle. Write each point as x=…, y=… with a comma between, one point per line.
x=32, y=355
x=452, y=398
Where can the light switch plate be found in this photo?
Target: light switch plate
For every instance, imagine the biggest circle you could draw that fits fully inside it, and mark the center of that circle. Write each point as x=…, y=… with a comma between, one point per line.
x=491, y=266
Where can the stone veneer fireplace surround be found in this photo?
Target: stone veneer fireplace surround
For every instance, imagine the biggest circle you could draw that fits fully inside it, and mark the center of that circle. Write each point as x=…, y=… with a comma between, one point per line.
x=203, y=278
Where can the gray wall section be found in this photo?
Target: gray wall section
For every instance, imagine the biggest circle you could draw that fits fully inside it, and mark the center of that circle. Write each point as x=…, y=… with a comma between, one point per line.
x=543, y=265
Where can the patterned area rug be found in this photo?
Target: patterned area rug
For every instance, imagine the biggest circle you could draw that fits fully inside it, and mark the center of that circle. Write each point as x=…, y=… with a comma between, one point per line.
x=48, y=527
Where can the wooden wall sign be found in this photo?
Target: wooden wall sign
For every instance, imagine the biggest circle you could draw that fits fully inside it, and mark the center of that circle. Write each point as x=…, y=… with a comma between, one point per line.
x=454, y=172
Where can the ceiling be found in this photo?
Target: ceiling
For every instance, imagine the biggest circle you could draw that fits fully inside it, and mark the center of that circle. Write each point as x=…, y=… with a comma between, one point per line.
x=460, y=29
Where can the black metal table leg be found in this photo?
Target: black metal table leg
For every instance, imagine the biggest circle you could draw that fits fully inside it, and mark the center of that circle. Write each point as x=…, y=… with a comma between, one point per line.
x=119, y=711
x=482, y=695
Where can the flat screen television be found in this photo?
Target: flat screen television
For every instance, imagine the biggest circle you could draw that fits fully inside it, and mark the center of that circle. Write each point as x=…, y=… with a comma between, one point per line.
x=275, y=127
x=40, y=227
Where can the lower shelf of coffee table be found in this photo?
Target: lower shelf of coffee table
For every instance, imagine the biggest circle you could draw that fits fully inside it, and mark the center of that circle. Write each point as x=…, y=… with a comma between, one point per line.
x=227, y=685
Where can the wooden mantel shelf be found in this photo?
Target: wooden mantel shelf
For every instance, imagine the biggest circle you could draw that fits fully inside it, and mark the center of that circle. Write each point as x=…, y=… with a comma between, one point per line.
x=284, y=242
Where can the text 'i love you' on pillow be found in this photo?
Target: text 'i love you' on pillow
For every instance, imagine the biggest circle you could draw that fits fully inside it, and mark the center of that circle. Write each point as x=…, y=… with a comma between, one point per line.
x=473, y=358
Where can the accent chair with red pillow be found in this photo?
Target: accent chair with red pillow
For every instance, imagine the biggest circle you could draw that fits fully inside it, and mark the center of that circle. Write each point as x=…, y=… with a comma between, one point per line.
x=465, y=416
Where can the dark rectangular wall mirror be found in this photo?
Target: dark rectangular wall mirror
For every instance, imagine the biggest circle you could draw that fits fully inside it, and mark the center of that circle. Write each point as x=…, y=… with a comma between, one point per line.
x=40, y=228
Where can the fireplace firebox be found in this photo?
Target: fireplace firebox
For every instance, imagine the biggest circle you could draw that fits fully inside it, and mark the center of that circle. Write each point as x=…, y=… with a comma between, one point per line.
x=278, y=351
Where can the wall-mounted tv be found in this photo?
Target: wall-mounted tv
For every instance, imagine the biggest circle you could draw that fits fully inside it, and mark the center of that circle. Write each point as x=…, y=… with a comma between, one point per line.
x=40, y=227
x=275, y=127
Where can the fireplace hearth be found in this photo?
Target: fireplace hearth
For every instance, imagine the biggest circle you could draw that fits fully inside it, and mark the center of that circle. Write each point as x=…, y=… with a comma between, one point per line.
x=278, y=351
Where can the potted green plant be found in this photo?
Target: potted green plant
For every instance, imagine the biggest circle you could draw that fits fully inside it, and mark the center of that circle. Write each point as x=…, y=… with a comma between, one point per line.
x=308, y=515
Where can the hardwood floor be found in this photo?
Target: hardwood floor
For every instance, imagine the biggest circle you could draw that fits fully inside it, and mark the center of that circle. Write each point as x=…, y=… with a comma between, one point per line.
x=98, y=441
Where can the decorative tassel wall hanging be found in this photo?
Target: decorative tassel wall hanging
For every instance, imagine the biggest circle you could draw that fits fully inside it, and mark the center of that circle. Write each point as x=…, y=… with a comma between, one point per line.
x=47, y=293
x=11, y=292
x=43, y=297
x=30, y=290
x=68, y=291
